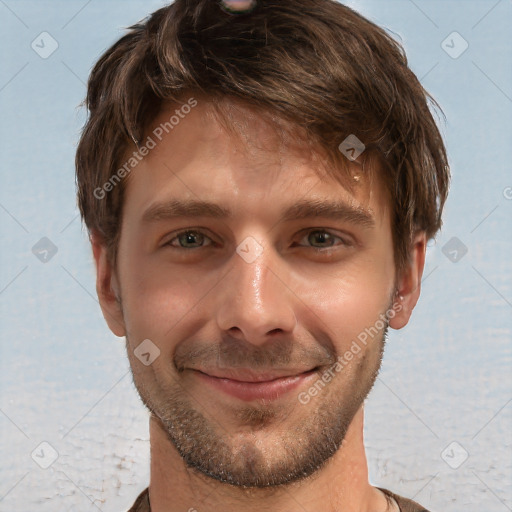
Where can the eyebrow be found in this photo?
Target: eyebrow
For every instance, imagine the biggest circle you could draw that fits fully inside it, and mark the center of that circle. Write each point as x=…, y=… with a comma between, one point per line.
x=301, y=210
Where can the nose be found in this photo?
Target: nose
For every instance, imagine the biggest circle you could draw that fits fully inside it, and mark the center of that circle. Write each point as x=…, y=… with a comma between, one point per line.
x=254, y=301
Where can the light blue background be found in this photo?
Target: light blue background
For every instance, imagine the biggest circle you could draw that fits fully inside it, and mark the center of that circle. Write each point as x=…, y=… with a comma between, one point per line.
x=64, y=378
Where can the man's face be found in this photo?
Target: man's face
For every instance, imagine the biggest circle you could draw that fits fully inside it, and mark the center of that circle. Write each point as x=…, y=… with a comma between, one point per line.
x=249, y=310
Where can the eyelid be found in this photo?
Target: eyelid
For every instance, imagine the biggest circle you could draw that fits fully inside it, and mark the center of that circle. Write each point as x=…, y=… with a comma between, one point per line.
x=175, y=234
x=346, y=240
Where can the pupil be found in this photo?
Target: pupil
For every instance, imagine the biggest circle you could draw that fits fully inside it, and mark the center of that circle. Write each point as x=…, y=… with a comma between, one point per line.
x=320, y=236
x=189, y=237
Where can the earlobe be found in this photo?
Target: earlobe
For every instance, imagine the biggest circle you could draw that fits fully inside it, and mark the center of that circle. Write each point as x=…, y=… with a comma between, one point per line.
x=409, y=284
x=107, y=287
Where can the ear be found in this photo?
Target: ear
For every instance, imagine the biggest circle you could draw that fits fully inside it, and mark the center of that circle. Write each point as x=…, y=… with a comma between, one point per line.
x=107, y=287
x=409, y=284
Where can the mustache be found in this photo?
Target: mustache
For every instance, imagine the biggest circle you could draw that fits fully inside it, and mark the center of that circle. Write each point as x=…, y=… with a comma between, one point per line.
x=236, y=353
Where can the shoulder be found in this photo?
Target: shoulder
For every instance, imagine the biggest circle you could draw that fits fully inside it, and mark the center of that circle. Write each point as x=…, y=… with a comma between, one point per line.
x=142, y=502
x=405, y=504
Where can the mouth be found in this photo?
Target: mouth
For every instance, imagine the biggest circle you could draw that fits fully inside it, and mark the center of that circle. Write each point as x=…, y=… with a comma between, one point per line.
x=249, y=385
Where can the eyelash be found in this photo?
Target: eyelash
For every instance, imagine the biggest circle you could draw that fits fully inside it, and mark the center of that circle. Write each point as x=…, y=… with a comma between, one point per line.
x=344, y=242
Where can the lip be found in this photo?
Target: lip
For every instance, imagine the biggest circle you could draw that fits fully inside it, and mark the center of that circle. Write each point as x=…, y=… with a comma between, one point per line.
x=264, y=386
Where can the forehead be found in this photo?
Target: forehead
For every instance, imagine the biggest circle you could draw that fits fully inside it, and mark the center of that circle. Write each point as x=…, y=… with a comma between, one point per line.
x=231, y=150
x=226, y=128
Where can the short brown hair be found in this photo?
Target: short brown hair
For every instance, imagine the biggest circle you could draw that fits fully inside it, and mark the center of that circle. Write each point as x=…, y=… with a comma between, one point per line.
x=317, y=64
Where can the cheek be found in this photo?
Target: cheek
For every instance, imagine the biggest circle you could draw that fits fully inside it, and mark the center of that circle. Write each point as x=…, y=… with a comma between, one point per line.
x=156, y=300
x=350, y=301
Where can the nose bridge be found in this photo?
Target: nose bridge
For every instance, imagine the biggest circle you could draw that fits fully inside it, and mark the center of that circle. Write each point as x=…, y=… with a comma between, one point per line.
x=254, y=303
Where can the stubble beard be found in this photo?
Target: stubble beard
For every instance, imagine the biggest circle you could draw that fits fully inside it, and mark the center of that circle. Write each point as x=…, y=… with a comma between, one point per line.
x=305, y=445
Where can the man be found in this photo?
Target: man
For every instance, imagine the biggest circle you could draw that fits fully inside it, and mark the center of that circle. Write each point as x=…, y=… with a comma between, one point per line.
x=259, y=181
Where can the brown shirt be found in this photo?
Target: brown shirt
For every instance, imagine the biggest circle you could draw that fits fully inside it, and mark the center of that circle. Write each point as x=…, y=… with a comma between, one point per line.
x=142, y=503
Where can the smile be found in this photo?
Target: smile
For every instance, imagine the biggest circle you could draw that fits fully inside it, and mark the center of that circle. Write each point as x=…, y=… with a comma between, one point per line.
x=256, y=387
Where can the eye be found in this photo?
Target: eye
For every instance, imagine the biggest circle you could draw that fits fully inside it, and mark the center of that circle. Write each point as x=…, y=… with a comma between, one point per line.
x=184, y=238
x=325, y=238
x=195, y=239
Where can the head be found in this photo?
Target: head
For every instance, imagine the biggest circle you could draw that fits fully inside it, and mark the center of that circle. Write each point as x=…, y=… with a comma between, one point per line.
x=259, y=187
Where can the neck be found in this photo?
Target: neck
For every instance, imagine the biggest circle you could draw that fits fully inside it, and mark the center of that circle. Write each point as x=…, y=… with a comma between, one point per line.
x=341, y=485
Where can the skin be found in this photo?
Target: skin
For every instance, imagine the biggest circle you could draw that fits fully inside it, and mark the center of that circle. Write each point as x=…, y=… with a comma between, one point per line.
x=238, y=5
x=291, y=309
